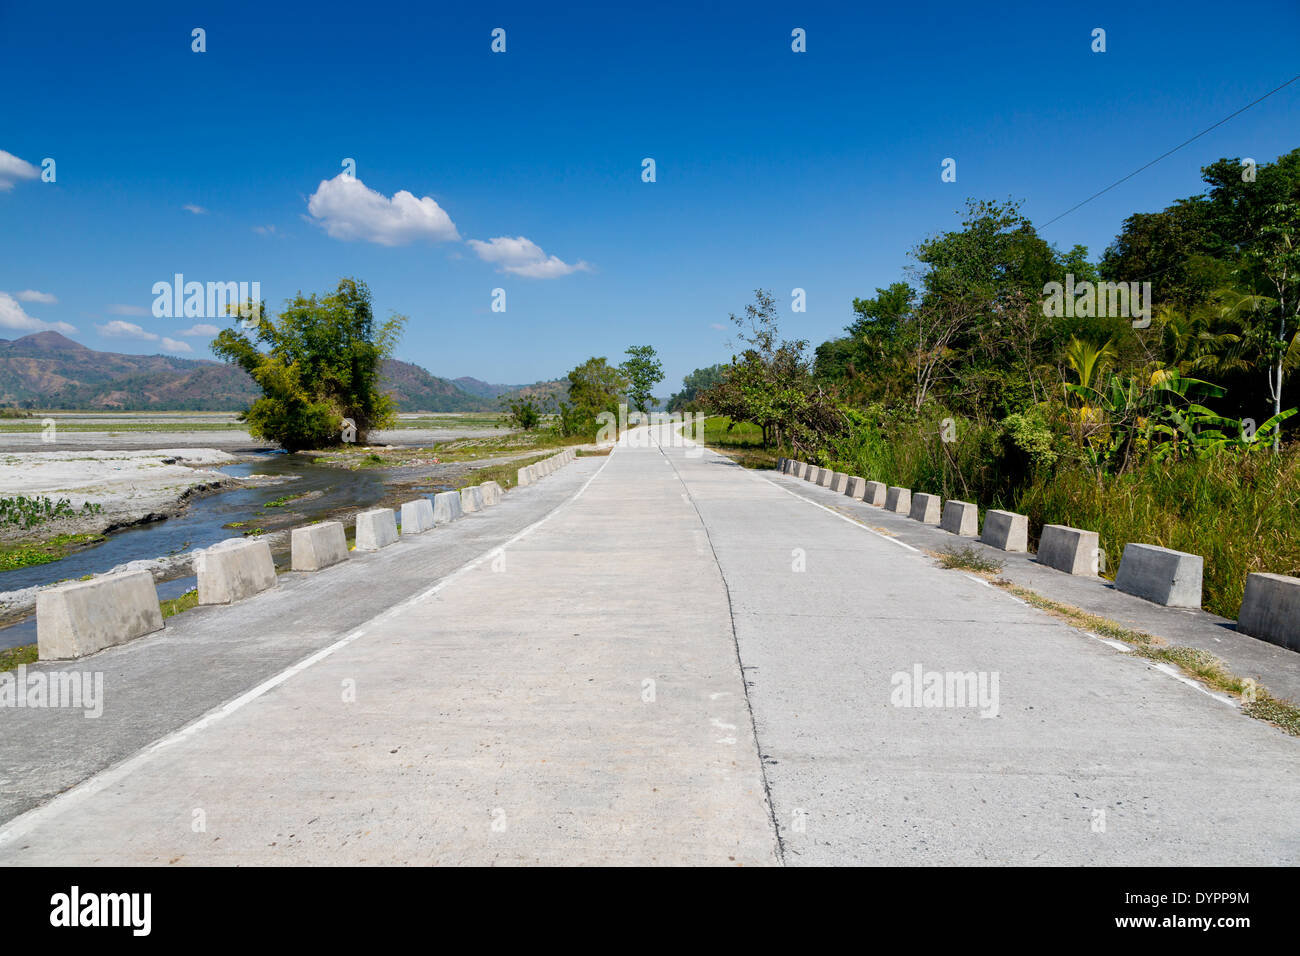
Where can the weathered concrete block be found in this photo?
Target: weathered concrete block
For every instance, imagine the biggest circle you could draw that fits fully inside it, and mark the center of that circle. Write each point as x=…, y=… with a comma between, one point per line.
x=318, y=546
x=1006, y=530
x=824, y=477
x=491, y=493
x=417, y=516
x=875, y=493
x=839, y=481
x=523, y=477
x=234, y=569
x=800, y=469
x=446, y=507
x=471, y=499
x=781, y=463
x=856, y=487
x=813, y=474
x=898, y=500
x=1270, y=609
x=925, y=508
x=1071, y=550
x=1168, y=577
x=77, y=619
x=961, y=517
x=376, y=529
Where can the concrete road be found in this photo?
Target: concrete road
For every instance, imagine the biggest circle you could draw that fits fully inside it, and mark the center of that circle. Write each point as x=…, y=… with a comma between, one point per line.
x=576, y=697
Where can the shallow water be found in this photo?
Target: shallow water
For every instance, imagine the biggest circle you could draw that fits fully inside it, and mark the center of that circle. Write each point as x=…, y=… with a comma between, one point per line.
x=201, y=525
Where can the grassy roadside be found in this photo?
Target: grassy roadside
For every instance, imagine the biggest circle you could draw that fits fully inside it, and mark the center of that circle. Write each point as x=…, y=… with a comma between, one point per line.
x=506, y=475
x=742, y=442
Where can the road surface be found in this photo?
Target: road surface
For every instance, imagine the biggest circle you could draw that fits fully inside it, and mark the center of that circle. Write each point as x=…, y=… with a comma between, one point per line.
x=672, y=660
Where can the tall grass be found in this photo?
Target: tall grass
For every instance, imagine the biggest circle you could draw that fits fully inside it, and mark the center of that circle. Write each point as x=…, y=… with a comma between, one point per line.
x=1241, y=512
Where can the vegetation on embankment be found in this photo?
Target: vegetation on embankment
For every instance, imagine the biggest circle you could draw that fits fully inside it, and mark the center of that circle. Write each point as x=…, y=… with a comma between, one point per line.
x=1147, y=394
x=11, y=657
x=26, y=554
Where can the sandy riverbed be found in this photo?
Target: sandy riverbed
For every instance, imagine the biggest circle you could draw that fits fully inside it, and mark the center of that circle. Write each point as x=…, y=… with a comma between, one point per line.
x=129, y=487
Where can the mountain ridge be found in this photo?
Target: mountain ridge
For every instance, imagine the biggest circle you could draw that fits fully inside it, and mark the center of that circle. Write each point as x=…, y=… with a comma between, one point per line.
x=49, y=370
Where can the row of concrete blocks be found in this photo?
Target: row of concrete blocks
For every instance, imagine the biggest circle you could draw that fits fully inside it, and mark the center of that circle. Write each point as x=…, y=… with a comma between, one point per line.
x=1270, y=609
x=535, y=472
x=87, y=616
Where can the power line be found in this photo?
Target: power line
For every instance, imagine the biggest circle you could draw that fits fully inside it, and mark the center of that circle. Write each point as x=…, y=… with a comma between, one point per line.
x=1172, y=151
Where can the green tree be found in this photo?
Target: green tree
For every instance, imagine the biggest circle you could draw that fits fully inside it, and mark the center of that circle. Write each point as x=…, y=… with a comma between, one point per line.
x=693, y=386
x=643, y=372
x=770, y=384
x=595, y=386
x=523, y=412
x=320, y=367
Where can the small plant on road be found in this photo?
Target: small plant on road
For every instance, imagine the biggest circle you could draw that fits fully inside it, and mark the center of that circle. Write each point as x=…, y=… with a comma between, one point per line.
x=968, y=559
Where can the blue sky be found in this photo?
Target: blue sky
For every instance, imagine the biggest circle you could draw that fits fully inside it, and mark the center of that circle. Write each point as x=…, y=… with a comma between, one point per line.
x=817, y=170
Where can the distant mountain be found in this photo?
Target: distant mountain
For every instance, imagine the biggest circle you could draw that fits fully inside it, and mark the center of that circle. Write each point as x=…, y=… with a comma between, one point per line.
x=49, y=370
x=483, y=389
x=500, y=394
x=415, y=390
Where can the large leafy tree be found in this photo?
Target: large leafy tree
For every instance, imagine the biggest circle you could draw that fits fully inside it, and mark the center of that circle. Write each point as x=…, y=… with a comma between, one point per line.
x=320, y=366
x=595, y=386
x=770, y=384
x=643, y=371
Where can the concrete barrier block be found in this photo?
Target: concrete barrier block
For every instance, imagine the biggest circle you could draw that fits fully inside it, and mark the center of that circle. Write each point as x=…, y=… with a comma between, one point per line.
x=925, y=508
x=83, y=617
x=446, y=507
x=376, y=529
x=781, y=463
x=491, y=493
x=961, y=517
x=417, y=516
x=875, y=493
x=856, y=487
x=1071, y=550
x=800, y=469
x=839, y=481
x=898, y=500
x=1168, y=577
x=1006, y=530
x=1270, y=609
x=813, y=474
x=824, y=477
x=471, y=499
x=522, y=477
x=318, y=546
x=234, y=569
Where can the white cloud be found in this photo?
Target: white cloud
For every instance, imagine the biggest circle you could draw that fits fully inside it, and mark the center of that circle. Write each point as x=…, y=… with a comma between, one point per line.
x=31, y=295
x=197, y=210
x=12, y=316
x=117, y=329
x=128, y=310
x=264, y=230
x=348, y=209
x=200, y=329
x=717, y=326
x=13, y=169
x=523, y=257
